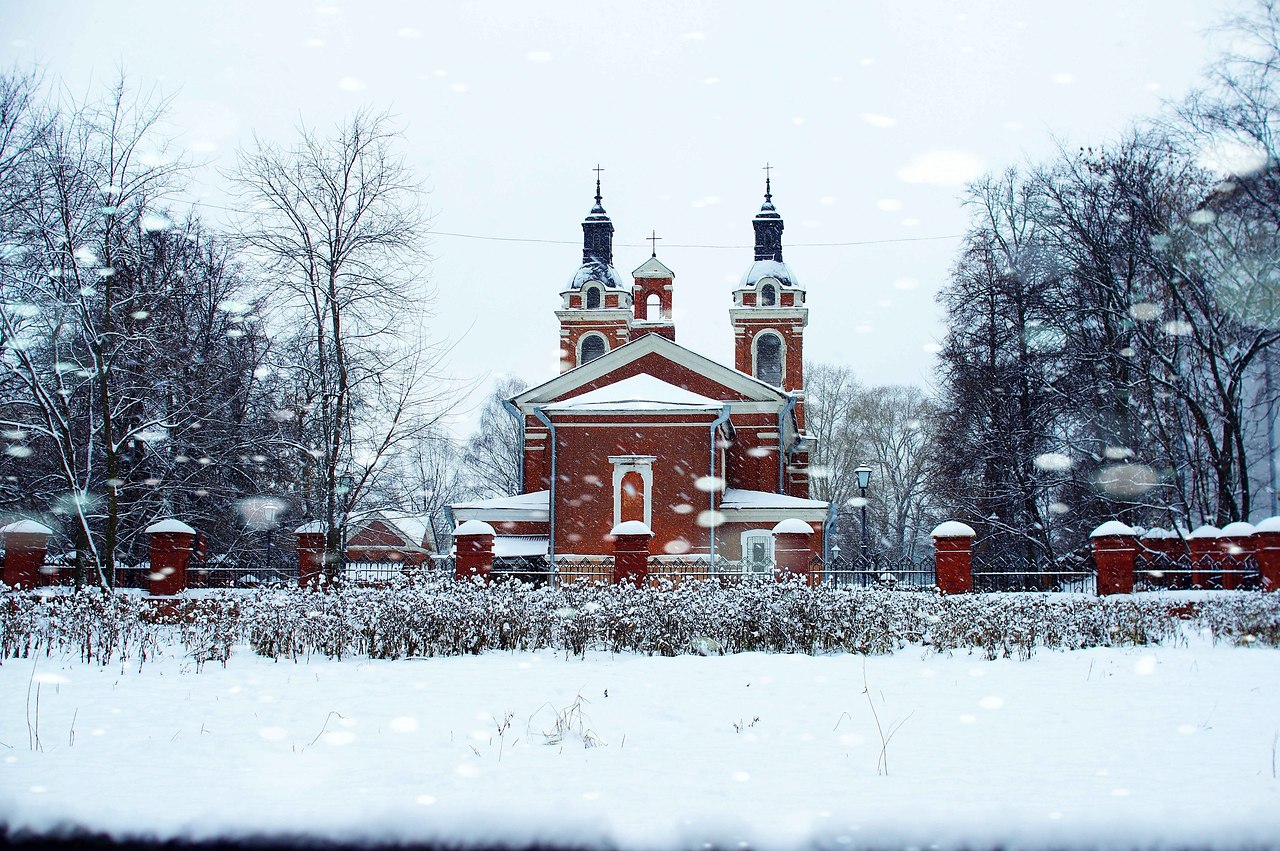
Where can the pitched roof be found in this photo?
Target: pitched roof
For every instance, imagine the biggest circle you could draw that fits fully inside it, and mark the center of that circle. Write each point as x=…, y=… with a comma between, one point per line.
x=562, y=386
x=638, y=393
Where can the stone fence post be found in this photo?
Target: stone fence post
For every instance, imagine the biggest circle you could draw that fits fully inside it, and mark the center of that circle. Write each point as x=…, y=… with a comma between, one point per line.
x=1115, y=553
x=172, y=542
x=791, y=549
x=631, y=552
x=1266, y=549
x=473, y=540
x=310, y=548
x=24, y=548
x=953, y=557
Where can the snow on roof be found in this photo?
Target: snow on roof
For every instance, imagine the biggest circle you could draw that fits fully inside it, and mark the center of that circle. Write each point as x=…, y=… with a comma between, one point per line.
x=1238, y=529
x=740, y=498
x=638, y=393
x=1206, y=531
x=169, y=525
x=519, y=502
x=1271, y=524
x=311, y=528
x=596, y=271
x=792, y=526
x=1155, y=533
x=631, y=527
x=653, y=268
x=952, y=529
x=1112, y=528
x=473, y=527
x=775, y=269
x=515, y=546
x=412, y=526
x=25, y=527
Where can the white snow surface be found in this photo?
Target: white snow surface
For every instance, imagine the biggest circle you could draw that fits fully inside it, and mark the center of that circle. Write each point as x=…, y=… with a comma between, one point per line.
x=638, y=393
x=171, y=525
x=741, y=498
x=1271, y=524
x=25, y=527
x=473, y=527
x=792, y=526
x=1148, y=747
x=1113, y=528
x=952, y=529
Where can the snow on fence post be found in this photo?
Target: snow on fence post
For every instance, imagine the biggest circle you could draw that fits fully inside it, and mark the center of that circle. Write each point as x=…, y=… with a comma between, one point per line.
x=473, y=540
x=1266, y=548
x=1115, y=554
x=1236, y=543
x=1205, y=550
x=24, y=548
x=631, y=552
x=172, y=542
x=953, y=557
x=310, y=548
x=791, y=553
x=1168, y=544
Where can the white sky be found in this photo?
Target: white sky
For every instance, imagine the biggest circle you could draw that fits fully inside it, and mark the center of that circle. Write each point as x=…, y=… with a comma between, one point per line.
x=874, y=115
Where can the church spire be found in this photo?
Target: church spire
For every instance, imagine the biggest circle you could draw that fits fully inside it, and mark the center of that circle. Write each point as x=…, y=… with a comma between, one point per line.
x=768, y=224
x=597, y=232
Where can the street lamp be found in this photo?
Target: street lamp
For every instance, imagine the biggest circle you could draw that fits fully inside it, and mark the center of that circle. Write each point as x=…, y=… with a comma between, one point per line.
x=864, y=478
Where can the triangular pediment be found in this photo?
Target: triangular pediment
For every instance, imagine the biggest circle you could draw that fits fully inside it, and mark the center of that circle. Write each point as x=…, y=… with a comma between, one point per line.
x=661, y=358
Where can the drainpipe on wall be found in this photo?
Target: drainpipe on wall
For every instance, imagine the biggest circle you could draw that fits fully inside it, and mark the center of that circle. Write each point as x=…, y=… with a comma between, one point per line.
x=715, y=426
x=784, y=454
x=551, y=495
x=515, y=412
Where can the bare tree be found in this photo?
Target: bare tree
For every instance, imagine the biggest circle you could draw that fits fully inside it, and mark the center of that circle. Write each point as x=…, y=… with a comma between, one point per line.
x=337, y=224
x=494, y=454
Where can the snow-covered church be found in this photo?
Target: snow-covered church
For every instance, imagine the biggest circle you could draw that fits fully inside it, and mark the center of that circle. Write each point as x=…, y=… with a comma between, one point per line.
x=639, y=428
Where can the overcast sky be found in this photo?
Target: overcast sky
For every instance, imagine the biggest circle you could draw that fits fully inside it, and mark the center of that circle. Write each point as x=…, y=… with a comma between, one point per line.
x=874, y=115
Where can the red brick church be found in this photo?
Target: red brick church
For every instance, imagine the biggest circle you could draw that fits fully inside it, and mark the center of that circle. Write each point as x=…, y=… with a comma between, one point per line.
x=639, y=428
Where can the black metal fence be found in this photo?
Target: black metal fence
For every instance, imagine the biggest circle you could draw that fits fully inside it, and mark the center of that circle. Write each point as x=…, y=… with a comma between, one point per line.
x=876, y=570
x=1183, y=571
x=1073, y=572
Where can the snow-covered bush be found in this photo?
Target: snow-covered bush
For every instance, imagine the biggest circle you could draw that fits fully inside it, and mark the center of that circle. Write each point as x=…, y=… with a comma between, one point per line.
x=436, y=616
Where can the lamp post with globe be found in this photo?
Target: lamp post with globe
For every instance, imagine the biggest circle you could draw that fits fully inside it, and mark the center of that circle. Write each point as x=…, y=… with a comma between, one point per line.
x=863, y=474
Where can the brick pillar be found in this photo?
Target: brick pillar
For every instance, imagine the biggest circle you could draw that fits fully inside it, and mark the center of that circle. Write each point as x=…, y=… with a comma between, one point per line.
x=24, y=547
x=791, y=553
x=1115, y=551
x=1204, y=552
x=953, y=557
x=473, y=540
x=171, y=545
x=631, y=552
x=1266, y=548
x=310, y=548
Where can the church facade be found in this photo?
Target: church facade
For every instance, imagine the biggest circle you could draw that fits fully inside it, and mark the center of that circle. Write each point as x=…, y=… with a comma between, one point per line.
x=637, y=427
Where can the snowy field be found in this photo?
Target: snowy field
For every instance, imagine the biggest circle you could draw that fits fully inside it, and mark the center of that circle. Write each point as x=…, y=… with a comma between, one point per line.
x=1163, y=747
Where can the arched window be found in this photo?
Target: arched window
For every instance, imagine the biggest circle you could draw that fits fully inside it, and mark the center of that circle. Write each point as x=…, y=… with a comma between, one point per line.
x=593, y=298
x=769, y=359
x=631, y=503
x=653, y=307
x=592, y=348
x=768, y=296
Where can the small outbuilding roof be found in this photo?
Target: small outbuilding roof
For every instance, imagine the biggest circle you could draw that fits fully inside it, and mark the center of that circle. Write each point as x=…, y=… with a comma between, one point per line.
x=638, y=393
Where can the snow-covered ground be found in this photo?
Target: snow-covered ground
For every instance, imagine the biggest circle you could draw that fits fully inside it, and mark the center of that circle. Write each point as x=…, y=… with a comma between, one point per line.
x=1164, y=746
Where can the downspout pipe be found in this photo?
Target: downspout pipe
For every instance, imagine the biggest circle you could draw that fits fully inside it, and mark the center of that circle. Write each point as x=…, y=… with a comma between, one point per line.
x=551, y=495
x=784, y=453
x=715, y=426
x=519, y=417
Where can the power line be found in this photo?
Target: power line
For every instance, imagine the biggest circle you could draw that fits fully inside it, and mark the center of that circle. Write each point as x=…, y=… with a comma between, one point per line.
x=488, y=238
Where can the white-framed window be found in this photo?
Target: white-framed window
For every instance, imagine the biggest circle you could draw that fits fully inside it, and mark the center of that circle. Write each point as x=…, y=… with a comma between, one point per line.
x=591, y=297
x=592, y=347
x=633, y=488
x=769, y=357
x=757, y=550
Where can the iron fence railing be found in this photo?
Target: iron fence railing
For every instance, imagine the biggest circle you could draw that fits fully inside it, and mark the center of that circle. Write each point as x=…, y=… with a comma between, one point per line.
x=1184, y=571
x=875, y=570
x=1071, y=572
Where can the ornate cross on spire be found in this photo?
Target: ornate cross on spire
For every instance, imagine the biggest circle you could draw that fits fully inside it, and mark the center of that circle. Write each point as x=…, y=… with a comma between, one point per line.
x=768, y=187
x=597, y=170
x=653, y=240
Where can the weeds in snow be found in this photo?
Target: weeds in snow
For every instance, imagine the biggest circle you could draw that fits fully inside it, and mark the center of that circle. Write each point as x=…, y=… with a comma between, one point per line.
x=570, y=724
